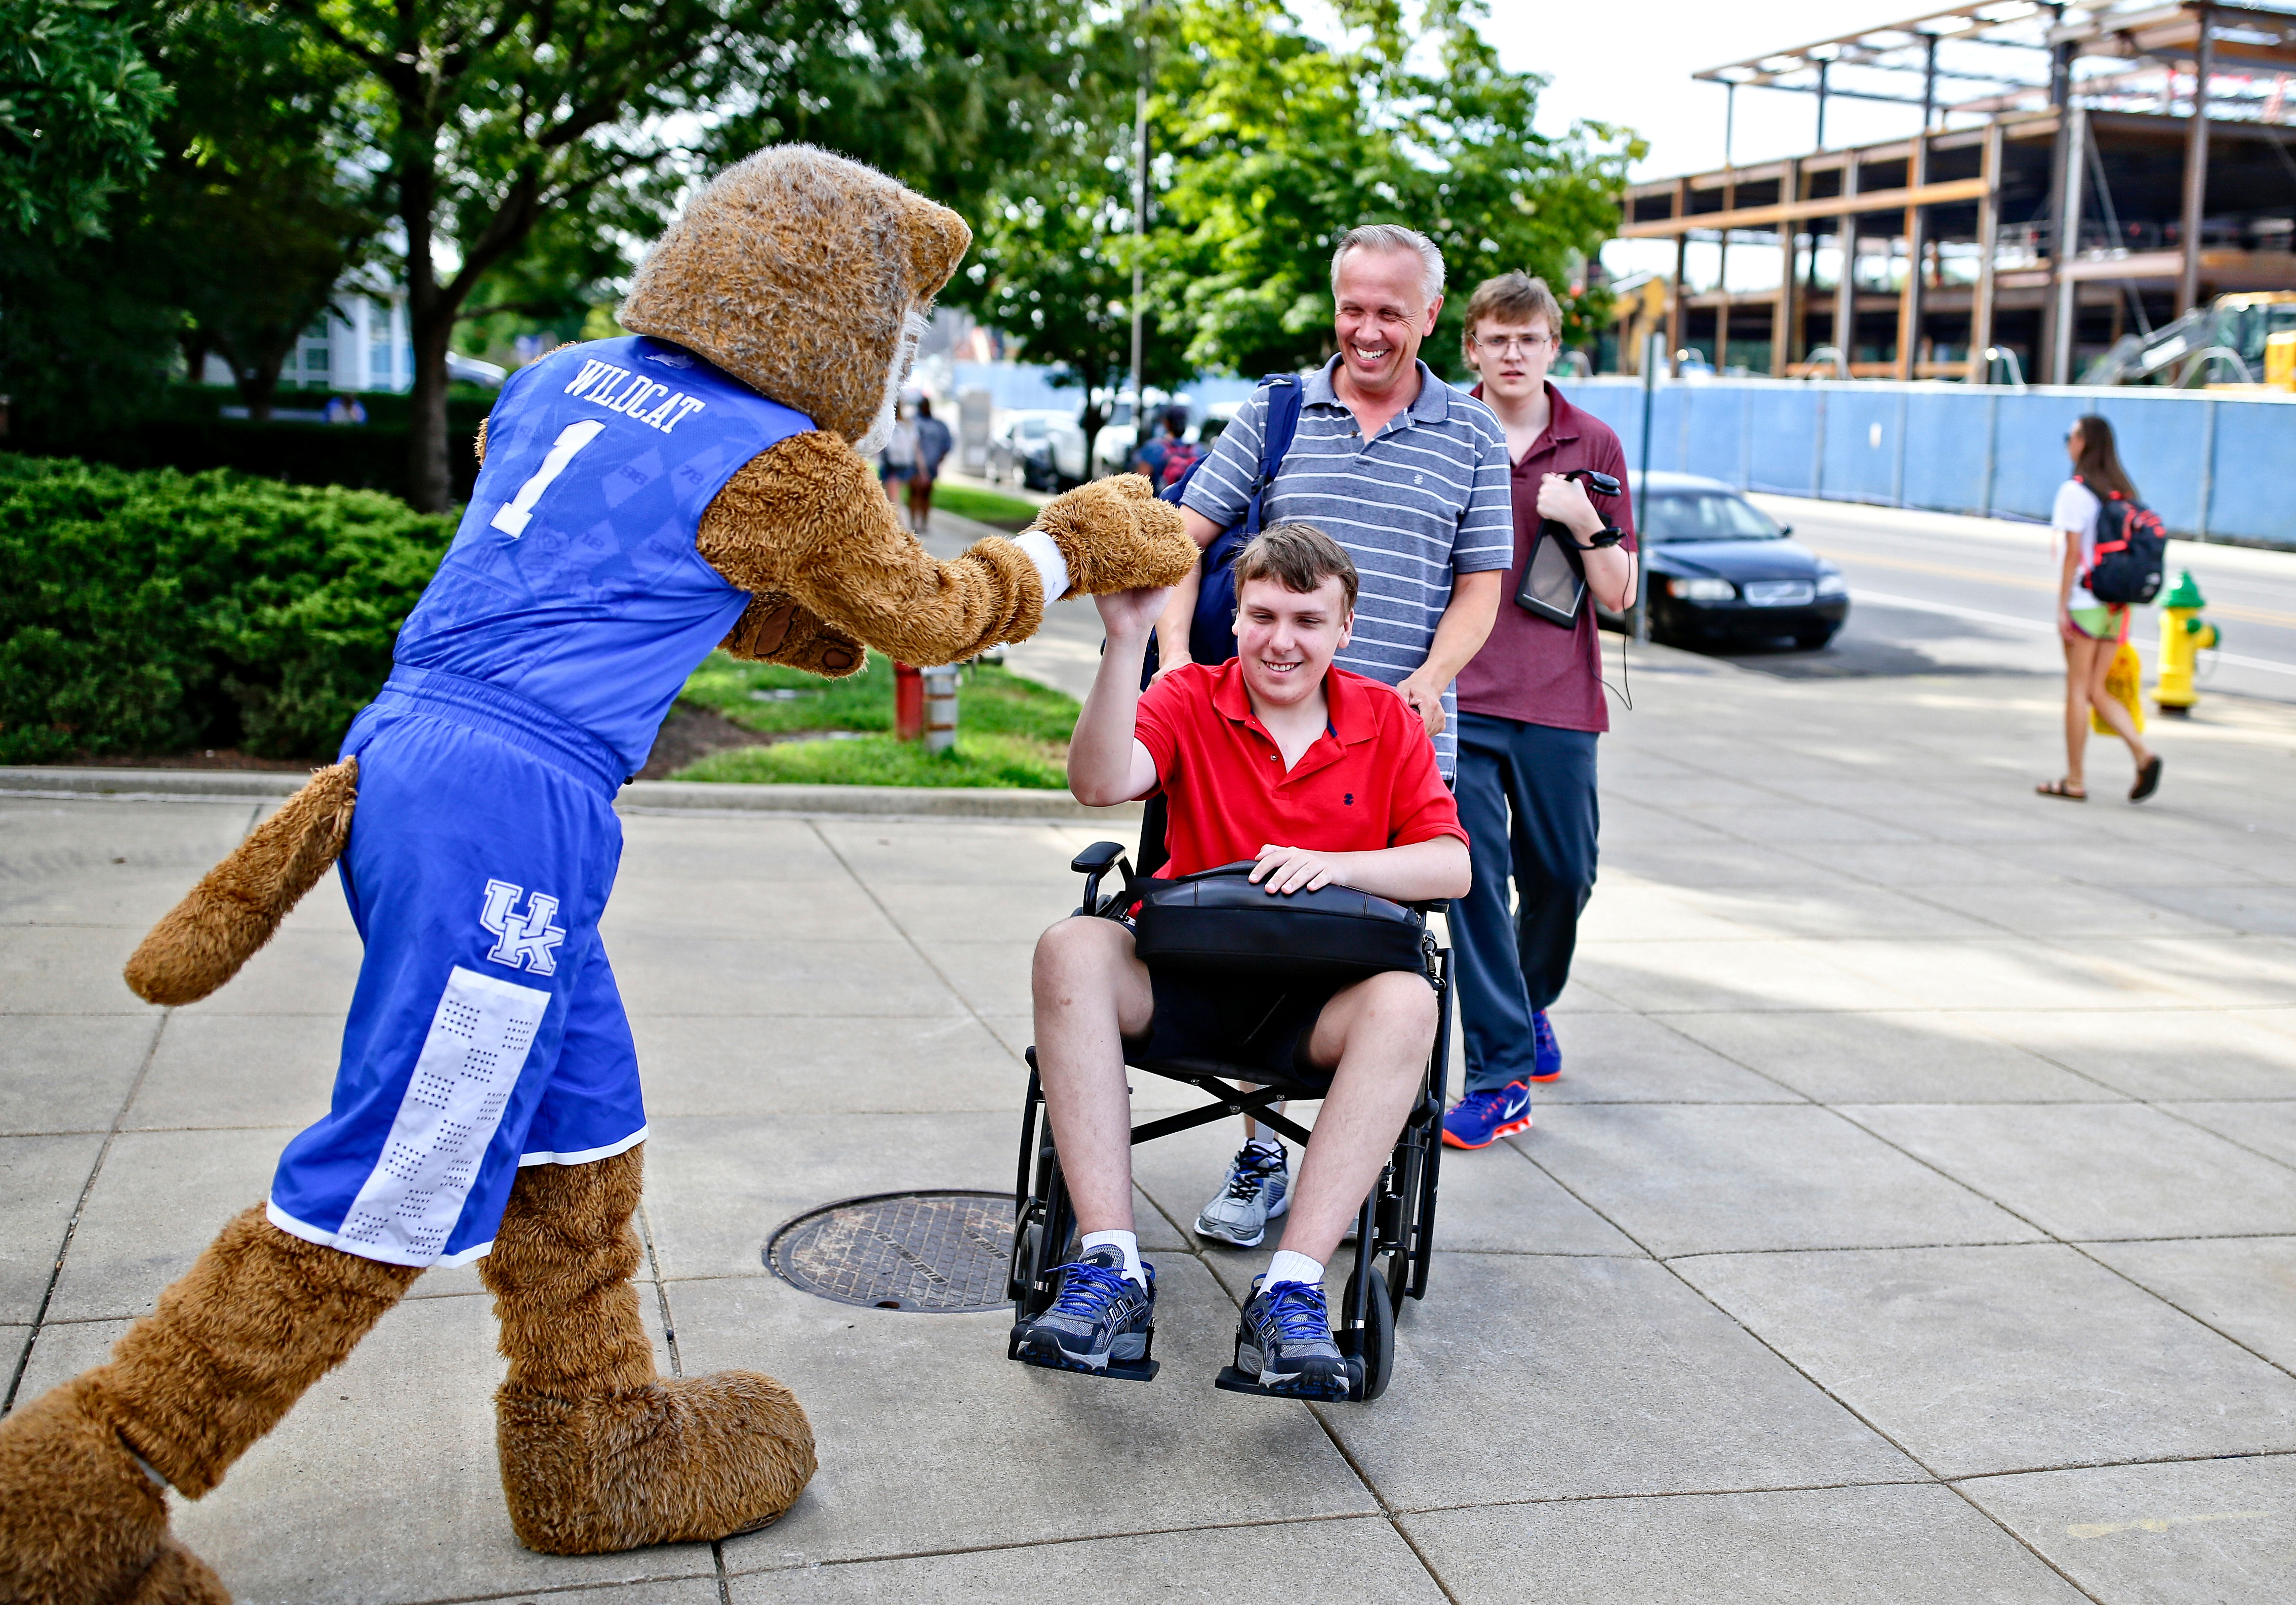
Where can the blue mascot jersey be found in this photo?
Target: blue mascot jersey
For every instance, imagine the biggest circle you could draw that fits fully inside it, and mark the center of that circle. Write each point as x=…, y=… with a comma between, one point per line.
x=486, y=1032
x=573, y=580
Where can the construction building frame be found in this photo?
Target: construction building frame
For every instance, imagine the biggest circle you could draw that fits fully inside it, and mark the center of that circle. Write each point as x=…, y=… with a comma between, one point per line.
x=2115, y=166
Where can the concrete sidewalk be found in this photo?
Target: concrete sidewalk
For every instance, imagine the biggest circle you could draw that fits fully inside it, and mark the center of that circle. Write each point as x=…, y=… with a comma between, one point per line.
x=1915, y=1220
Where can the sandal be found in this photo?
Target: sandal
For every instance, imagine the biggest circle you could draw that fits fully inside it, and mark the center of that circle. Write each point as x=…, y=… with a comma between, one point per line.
x=2148, y=780
x=2057, y=788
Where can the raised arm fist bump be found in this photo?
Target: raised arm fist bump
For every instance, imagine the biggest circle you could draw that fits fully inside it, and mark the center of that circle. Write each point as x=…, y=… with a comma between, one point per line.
x=1115, y=535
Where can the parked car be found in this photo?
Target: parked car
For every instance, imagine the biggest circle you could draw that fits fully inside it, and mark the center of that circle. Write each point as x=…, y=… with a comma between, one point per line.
x=1117, y=438
x=1720, y=569
x=1040, y=448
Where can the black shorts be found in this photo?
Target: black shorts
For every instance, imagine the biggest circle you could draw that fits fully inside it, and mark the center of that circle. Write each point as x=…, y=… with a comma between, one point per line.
x=1254, y=1025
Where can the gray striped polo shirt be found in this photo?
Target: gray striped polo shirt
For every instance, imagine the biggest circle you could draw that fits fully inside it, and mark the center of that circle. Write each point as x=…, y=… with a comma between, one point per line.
x=1424, y=501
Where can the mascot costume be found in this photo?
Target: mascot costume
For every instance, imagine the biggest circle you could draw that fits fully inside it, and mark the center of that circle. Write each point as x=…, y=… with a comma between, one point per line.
x=703, y=482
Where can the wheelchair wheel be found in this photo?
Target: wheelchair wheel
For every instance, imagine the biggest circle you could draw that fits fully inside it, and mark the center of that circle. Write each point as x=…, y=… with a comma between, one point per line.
x=1419, y=1243
x=1019, y=1287
x=1373, y=1342
x=1041, y=1243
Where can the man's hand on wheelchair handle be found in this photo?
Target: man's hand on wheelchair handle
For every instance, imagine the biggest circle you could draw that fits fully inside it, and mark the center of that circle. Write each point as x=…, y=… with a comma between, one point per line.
x=1282, y=869
x=1422, y=692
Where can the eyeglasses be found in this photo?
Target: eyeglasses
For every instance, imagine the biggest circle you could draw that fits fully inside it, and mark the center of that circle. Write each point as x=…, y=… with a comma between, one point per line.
x=1512, y=345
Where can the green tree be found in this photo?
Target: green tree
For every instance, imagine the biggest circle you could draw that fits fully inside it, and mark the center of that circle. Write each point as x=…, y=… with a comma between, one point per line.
x=77, y=102
x=492, y=116
x=1053, y=256
x=1280, y=144
x=78, y=312
x=260, y=206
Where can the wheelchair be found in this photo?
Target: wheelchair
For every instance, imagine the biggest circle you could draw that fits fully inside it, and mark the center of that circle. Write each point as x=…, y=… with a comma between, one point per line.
x=1395, y=1228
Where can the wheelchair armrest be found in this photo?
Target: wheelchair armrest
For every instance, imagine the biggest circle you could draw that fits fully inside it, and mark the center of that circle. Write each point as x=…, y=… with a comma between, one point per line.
x=1098, y=858
x=1094, y=862
x=1433, y=905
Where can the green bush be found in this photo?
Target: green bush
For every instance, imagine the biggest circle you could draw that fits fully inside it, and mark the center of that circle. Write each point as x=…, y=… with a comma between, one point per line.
x=182, y=428
x=157, y=611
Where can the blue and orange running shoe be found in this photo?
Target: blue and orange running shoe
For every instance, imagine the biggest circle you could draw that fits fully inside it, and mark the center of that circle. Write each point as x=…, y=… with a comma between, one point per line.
x=1101, y=1314
x=1546, y=1064
x=1285, y=1342
x=1482, y=1118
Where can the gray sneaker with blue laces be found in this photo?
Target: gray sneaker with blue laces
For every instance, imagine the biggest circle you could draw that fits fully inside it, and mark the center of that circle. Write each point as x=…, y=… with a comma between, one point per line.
x=1285, y=1342
x=1101, y=1315
x=1257, y=1189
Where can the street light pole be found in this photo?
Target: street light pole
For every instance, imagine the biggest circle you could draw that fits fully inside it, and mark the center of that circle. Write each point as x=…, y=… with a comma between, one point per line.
x=1651, y=348
x=1139, y=213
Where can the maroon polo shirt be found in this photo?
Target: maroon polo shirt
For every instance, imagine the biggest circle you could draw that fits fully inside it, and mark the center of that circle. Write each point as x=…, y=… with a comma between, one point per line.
x=1531, y=670
x=1367, y=782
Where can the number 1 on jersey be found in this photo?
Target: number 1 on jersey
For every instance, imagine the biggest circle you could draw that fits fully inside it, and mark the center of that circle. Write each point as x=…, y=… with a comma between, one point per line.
x=511, y=517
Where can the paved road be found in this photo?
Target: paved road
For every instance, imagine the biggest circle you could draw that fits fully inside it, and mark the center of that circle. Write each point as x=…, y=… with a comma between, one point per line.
x=1933, y=593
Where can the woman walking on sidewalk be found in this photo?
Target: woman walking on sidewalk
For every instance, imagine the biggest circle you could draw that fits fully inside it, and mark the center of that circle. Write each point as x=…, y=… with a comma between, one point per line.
x=2093, y=631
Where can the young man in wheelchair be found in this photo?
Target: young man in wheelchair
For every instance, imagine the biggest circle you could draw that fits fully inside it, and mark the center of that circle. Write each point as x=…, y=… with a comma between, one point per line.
x=1323, y=777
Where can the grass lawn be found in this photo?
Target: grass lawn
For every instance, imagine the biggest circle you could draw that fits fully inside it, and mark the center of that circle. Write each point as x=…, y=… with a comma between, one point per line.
x=884, y=760
x=1011, y=730
x=1006, y=512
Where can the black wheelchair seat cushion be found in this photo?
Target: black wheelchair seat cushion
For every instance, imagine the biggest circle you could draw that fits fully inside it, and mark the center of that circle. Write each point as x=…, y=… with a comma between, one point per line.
x=1218, y=922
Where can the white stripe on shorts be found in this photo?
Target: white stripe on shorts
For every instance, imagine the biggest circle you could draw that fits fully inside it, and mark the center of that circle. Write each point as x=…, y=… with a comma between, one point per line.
x=462, y=1084
x=588, y=1155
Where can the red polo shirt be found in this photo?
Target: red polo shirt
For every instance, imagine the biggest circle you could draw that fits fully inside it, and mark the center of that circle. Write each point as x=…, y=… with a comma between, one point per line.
x=1529, y=670
x=1369, y=781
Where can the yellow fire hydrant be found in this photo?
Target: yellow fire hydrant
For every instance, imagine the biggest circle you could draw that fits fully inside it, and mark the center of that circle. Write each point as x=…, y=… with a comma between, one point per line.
x=2183, y=635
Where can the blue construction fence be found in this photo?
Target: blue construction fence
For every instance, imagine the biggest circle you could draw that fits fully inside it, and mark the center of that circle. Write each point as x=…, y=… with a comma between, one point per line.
x=2213, y=466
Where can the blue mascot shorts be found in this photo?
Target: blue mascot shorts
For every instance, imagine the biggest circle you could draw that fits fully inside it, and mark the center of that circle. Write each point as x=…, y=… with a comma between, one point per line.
x=485, y=1032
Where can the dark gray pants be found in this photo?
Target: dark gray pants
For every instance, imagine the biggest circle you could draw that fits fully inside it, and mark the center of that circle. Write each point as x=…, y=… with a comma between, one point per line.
x=1527, y=798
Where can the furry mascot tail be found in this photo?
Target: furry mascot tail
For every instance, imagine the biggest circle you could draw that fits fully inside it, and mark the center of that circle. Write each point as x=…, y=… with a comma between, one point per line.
x=236, y=906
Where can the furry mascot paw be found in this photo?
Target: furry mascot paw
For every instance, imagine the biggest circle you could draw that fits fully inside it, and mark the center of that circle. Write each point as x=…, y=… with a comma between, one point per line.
x=704, y=480
x=1116, y=536
x=776, y=630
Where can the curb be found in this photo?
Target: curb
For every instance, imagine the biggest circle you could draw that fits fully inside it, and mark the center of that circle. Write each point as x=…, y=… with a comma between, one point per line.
x=643, y=796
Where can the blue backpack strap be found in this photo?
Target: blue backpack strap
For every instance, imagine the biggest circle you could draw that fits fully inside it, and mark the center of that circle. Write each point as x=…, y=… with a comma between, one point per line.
x=1210, y=636
x=1284, y=395
x=1283, y=423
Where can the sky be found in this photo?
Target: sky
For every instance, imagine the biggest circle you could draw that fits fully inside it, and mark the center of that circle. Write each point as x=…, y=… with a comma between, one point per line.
x=1633, y=66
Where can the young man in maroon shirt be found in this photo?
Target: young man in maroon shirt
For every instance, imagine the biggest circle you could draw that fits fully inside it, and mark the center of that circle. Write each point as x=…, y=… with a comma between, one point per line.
x=1321, y=776
x=1530, y=706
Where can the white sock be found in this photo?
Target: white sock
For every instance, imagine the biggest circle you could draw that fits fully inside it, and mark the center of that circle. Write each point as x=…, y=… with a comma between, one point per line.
x=1288, y=1266
x=1128, y=1242
x=1270, y=1145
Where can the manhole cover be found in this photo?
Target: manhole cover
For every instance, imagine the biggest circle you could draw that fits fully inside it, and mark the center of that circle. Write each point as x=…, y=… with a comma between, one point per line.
x=941, y=1251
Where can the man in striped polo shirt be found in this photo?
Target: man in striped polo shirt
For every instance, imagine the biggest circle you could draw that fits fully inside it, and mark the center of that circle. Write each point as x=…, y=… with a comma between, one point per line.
x=1410, y=476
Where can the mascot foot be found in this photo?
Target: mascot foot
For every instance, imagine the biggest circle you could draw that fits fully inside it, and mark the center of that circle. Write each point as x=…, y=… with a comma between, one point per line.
x=698, y=1459
x=599, y=1452
x=233, y=1344
x=80, y=1522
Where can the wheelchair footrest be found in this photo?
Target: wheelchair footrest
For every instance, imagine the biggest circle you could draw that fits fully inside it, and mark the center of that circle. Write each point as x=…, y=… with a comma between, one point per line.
x=1142, y=1370
x=1233, y=1380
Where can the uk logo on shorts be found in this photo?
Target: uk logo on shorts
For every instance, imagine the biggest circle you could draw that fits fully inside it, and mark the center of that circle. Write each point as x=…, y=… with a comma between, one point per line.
x=527, y=941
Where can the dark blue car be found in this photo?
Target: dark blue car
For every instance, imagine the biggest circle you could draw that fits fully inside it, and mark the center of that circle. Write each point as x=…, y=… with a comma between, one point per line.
x=1721, y=569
